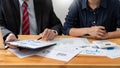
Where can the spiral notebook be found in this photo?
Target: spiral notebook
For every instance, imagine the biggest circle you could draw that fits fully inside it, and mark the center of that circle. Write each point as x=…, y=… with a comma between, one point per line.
x=31, y=44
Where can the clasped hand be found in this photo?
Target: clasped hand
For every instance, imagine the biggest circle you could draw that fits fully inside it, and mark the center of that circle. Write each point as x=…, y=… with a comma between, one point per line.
x=98, y=32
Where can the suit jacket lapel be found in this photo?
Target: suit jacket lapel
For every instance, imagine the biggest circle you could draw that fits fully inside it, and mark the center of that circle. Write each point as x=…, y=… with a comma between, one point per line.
x=38, y=15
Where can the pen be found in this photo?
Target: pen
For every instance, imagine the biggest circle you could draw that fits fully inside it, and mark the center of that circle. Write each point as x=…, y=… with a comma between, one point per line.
x=110, y=48
x=39, y=38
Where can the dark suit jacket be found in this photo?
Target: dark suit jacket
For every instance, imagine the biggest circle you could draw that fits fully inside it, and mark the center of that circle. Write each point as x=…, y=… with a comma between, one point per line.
x=10, y=16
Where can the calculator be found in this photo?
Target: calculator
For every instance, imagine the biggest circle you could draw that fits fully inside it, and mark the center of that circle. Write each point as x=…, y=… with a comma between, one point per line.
x=104, y=44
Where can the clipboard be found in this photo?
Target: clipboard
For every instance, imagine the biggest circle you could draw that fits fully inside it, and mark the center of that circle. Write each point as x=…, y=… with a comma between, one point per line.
x=2, y=45
x=31, y=44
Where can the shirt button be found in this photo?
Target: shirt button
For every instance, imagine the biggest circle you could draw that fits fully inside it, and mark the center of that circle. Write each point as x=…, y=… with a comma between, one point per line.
x=94, y=13
x=94, y=22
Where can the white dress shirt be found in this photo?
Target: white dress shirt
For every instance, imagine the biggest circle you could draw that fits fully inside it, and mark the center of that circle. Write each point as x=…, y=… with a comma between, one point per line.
x=32, y=18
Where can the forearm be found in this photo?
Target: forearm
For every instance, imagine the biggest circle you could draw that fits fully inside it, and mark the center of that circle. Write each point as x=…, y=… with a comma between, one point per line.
x=115, y=34
x=6, y=32
x=78, y=31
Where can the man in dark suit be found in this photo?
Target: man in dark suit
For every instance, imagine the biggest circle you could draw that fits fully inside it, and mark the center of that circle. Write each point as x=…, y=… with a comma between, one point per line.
x=39, y=13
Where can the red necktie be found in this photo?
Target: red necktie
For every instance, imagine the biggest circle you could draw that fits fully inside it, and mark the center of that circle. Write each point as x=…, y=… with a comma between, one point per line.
x=25, y=21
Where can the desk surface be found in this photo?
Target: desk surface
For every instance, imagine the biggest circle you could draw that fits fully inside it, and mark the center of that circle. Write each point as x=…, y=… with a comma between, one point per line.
x=7, y=59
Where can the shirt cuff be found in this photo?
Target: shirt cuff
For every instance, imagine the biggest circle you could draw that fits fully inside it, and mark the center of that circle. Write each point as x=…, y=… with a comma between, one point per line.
x=55, y=31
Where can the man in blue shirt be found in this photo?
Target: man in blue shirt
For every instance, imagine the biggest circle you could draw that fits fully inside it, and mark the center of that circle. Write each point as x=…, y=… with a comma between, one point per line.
x=97, y=18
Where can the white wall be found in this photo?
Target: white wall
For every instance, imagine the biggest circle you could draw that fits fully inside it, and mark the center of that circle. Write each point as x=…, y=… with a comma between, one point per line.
x=61, y=8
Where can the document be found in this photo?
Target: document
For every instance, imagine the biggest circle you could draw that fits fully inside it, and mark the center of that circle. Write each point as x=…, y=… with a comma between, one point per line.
x=114, y=53
x=22, y=54
x=64, y=50
x=94, y=50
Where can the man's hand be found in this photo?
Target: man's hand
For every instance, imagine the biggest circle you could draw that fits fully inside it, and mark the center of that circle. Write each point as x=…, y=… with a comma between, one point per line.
x=106, y=36
x=98, y=32
x=48, y=34
x=11, y=37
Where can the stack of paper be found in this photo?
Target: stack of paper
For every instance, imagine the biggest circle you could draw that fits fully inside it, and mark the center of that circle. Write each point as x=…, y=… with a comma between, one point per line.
x=65, y=49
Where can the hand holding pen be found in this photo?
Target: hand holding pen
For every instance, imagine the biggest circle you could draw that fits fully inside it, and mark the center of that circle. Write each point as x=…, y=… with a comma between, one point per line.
x=47, y=34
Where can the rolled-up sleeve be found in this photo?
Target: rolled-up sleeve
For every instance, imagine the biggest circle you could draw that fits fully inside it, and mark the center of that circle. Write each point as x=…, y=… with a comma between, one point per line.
x=118, y=14
x=71, y=20
x=118, y=20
